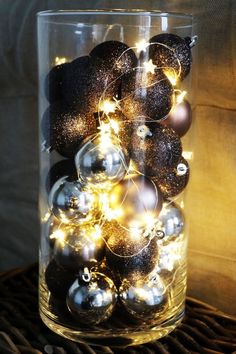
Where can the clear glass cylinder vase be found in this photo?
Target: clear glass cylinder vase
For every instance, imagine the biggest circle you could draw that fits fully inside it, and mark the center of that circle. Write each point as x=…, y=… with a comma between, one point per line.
x=114, y=108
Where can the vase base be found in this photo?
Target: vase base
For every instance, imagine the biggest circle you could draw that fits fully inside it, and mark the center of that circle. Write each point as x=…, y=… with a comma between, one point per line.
x=116, y=338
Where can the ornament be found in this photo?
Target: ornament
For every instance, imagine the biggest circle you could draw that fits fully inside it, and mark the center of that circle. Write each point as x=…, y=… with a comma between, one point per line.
x=172, y=181
x=101, y=162
x=91, y=299
x=151, y=98
x=128, y=253
x=61, y=169
x=145, y=299
x=58, y=279
x=170, y=51
x=171, y=220
x=135, y=202
x=72, y=202
x=77, y=247
x=87, y=82
x=64, y=128
x=159, y=149
x=179, y=118
x=54, y=82
x=117, y=56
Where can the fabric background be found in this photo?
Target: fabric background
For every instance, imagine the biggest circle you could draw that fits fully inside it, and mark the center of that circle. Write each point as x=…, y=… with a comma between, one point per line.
x=211, y=196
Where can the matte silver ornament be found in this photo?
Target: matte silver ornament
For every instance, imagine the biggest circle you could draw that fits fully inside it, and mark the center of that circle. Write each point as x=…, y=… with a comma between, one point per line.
x=171, y=220
x=92, y=299
x=138, y=199
x=146, y=298
x=72, y=202
x=101, y=161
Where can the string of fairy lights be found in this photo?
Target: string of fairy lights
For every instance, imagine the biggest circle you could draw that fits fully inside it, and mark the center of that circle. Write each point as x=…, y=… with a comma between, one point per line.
x=114, y=214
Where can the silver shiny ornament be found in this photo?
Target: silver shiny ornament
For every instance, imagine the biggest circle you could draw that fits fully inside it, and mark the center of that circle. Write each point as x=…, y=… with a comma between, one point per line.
x=146, y=298
x=77, y=247
x=101, y=162
x=72, y=202
x=137, y=200
x=92, y=298
x=171, y=220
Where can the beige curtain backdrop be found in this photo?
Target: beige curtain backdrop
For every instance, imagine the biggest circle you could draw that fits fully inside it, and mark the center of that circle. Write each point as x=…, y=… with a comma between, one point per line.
x=211, y=196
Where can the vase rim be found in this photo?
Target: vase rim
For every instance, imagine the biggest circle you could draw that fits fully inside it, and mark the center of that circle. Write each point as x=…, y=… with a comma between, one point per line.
x=130, y=12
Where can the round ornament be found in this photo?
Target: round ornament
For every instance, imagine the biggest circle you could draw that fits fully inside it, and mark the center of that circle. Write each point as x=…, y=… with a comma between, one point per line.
x=173, y=181
x=77, y=247
x=171, y=220
x=64, y=128
x=87, y=81
x=117, y=56
x=92, y=300
x=58, y=279
x=172, y=52
x=152, y=99
x=128, y=254
x=72, y=202
x=101, y=162
x=61, y=169
x=54, y=83
x=161, y=148
x=179, y=118
x=135, y=201
x=144, y=299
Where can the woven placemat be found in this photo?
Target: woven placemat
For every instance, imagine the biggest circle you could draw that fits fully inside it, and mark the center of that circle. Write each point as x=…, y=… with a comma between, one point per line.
x=204, y=329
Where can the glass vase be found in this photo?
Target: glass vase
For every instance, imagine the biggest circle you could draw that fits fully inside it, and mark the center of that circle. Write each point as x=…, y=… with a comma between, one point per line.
x=114, y=109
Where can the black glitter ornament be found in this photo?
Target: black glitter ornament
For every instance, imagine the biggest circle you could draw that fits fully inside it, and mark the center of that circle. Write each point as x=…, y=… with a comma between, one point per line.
x=79, y=248
x=54, y=83
x=87, y=83
x=173, y=181
x=60, y=169
x=177, y=56
x=64, y=128
x=117, y=57
x=58, y=279
x=160, y=148
x=127, y=256
x=146, y=95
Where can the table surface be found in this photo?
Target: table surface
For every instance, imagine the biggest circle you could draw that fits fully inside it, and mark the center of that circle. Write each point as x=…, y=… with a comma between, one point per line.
x=203, y=330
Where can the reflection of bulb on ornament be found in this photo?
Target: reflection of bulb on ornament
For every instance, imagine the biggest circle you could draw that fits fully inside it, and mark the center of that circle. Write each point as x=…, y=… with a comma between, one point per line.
x=101, y=162
x=71, y=202
x=144, y=298
x=139, y=198
x=79, y=247
x=92, y=301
